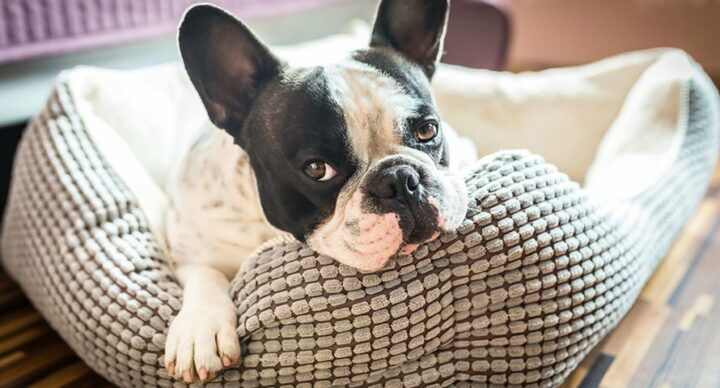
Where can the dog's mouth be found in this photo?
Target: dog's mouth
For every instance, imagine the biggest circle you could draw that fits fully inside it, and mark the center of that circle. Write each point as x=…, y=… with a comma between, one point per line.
x=419, y=221
x=408, y=247
x=366, y=240
x=422, y=224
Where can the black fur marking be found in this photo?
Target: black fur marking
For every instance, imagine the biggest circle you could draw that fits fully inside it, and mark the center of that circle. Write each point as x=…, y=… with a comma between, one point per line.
x=413, y=28
x=293, y=121
x=210, y=40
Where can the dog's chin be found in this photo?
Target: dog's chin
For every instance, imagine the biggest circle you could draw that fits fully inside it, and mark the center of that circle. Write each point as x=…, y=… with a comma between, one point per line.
x=364, y=242
x=370, y=249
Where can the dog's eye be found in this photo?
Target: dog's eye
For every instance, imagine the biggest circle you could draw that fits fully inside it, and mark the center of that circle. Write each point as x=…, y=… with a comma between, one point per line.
x=426, y=131
x=319, y=171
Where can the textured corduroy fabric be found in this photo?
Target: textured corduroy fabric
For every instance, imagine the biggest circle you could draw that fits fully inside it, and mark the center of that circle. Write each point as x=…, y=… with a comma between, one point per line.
x=535, y=277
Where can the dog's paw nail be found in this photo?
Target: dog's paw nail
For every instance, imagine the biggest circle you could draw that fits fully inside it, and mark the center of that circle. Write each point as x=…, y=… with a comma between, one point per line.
x=408, y=249
x=206, y=346
x=171, y=369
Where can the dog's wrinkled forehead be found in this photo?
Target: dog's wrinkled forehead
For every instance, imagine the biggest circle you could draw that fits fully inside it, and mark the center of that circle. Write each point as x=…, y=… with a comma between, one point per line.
x=376, y=101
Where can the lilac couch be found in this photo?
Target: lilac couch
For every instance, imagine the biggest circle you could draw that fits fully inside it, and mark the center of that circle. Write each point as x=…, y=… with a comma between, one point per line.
x=29, y=29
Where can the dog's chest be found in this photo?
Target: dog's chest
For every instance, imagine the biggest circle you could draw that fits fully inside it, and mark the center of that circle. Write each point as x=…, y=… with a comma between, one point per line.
x=216, y=217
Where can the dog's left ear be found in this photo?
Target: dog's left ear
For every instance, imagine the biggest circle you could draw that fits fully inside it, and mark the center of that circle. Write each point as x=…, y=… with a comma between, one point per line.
x=415, y=28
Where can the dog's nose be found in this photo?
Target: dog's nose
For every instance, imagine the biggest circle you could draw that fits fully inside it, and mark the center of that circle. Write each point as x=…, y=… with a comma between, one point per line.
x=400, y=182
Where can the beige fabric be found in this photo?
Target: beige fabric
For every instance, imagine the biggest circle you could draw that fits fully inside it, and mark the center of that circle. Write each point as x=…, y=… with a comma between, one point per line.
x=564, y=114
x=538, y=273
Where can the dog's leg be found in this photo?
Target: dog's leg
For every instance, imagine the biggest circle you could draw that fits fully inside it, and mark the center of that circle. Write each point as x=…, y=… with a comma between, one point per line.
x=202, y=337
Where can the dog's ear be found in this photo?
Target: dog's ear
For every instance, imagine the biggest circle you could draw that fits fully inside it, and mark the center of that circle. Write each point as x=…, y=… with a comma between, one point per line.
x=415, y=28
x=226, y=62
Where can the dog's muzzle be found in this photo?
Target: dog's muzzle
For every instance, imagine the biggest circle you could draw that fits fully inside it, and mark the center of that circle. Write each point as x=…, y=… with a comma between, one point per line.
x=400, y=203
x=408, y=190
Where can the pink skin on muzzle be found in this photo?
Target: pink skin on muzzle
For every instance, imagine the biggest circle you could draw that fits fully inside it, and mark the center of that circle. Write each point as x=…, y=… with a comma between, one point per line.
x=361, y=240
x=365, y=240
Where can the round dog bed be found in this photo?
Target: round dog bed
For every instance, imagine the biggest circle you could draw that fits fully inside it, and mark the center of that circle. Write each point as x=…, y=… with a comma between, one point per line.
x=540, y=271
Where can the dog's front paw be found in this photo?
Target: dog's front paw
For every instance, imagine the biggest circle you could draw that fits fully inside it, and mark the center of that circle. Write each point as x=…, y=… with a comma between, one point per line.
x=202, y=341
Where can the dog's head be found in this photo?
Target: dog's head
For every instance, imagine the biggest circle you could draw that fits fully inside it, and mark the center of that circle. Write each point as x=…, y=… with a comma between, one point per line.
x=350, y=156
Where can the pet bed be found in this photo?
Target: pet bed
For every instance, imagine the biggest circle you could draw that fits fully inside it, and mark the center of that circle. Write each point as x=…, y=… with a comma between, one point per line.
x=540, y=271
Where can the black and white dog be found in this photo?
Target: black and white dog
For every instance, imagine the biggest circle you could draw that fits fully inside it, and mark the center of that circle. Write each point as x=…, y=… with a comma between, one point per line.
x=350, y=157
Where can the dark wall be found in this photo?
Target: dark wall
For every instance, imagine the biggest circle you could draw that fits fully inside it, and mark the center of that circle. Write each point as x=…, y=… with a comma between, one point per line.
x=9, y=137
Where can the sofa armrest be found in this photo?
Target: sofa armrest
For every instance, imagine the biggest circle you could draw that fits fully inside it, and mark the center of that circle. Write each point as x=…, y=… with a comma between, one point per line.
x=478, y=34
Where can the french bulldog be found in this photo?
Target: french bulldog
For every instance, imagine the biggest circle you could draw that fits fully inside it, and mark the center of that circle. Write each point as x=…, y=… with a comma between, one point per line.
x=350, y=157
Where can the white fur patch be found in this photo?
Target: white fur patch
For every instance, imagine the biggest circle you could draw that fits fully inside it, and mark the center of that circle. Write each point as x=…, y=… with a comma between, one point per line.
x=375, y=108
x=216, y=218
x=202, y=340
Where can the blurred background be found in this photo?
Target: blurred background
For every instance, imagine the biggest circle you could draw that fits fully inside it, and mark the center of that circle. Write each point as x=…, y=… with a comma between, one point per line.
x=40, y=38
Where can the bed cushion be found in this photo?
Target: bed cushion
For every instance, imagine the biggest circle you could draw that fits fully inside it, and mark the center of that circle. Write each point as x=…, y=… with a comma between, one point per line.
x=539, y=272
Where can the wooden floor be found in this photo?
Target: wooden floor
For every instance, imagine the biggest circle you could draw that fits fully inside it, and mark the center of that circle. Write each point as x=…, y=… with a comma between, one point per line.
x=670, y=338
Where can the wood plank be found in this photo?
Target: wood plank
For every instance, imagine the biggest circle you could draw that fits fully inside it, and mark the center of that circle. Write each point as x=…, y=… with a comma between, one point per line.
x=6, y=283
x=21, y=338
x=597, y=371
x=10, y=297
x=63, y=377
x=11, y=358
x=683, y=363
x=715, y=180
x=583, y=368
x=576, y=377
x=702, y=306
x=17, y=320
x=709, y=375
x=626, y=329
x=631, y=353
x=38, y=362
x=653, y=361
x=684, y=343
x=92, y=381
x=663, y=282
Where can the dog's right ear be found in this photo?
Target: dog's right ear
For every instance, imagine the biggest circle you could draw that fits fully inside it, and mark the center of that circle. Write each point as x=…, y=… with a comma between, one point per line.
x=226, y=62
x=414, y=28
